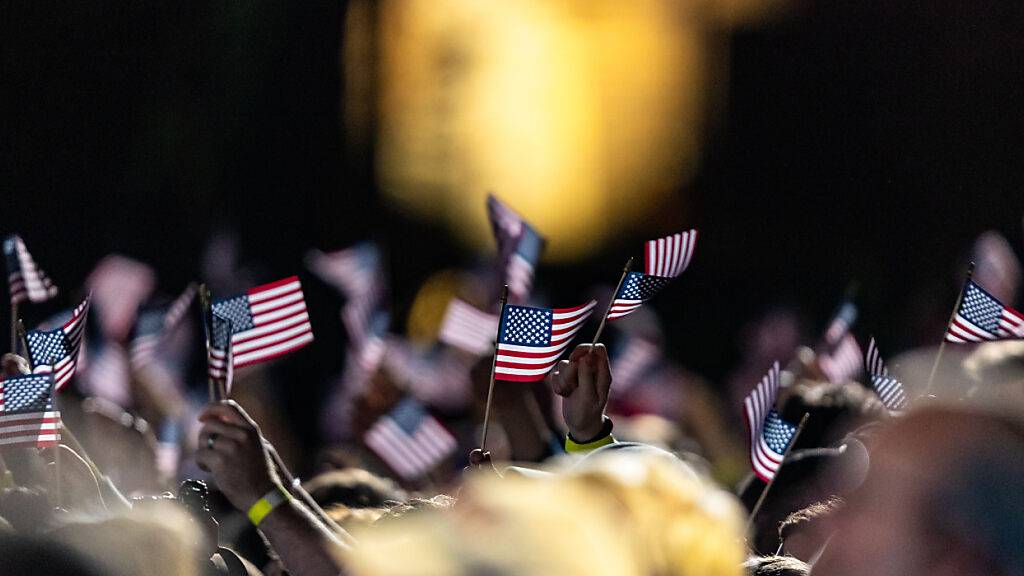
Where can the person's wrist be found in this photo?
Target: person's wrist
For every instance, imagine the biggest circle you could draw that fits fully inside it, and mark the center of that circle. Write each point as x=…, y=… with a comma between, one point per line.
x=267, y=503
x=258, y=491
x=592, y=431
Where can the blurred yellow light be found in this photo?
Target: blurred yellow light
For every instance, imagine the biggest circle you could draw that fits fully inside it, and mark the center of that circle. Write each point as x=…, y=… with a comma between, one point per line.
x=581, y=114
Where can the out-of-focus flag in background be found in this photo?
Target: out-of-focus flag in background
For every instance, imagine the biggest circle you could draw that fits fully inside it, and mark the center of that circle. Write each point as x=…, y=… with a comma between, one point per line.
x=664, y=259
x=266, y=322
x=358, y=274
x=532, y=339
x=633, y=358
x=889, y=389
x=410, y=440
x=27, y=417
x=839, y=354
x=981, y=317
x=519, y=248
x=154, y=325
x=770, y=435
x=57, y=350
x=25, y=280
x=467, y=328
x=841, y=323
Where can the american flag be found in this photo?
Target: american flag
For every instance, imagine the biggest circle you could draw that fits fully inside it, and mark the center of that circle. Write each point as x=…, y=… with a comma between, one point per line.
x=669, y=257
x=519, y=247
x=532, y=339
x=358, y=274
x=889, y=389
x=410, y=440
x=266, y=322
x=220, y=365
x=468, y=328
x=152, y=326
x=56, y=350
x=981, y=317
x=770, y=435
x=25, y=280
x=841, y=323
x=664, y=259
x=632, y=360
x=27, y=417
x=841, y=362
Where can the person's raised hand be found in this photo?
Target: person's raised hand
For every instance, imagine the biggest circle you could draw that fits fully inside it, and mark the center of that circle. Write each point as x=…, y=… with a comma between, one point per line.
x=14, y=365
x=231, y=448
x=583, y=382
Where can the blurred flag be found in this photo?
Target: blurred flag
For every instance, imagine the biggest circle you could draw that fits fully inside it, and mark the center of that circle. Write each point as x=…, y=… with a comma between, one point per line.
x=56, y=350
x=664, y=259
x=24, y=279
x=153, y=326
x=889, y=389
x=841, y=323
x=519, y=247
x=410, y=440
x=996, y=266
x=632, y=361
x=770, y=435
x=266, y=322
x=842, y=362
x=981, y=317
x=27, y=417
x=467, y=328
x=358, y=274
x=532, y=339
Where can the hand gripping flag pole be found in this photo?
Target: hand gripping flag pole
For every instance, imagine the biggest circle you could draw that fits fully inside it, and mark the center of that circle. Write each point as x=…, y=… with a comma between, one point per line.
x=764, y=493
x=494, y=364
x=952, y=316
x=611, y=301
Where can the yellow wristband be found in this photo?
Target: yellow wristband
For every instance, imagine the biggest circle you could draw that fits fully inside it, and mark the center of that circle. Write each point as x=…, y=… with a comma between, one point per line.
x=573, y=448
x=264, y=506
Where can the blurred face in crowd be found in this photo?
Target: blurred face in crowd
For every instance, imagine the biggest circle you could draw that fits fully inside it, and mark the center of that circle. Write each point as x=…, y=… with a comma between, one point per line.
x=916, y=513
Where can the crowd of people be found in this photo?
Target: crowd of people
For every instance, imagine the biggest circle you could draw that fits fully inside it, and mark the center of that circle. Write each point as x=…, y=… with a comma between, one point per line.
x=600, y=468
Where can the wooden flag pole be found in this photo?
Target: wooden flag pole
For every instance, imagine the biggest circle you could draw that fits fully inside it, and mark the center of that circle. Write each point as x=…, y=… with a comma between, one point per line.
x=604, y=319
x=494, y=364
x=14, y=327
x=764, y=493
x=205, y=303
x=22, y=341
x=942, y=346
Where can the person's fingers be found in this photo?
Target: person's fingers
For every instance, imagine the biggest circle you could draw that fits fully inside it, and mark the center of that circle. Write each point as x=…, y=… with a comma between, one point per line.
x=228, y=412
x=209, y=460
x=566, y=382
x=221, y=430
x=14, y=365
x=581, y=351
x=227, y=446
x=587, y=374
x=603, y=371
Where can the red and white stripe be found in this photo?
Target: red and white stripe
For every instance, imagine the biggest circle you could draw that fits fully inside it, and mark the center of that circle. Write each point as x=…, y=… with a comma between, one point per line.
x=281, y=325
x=73, y=329
x=873, y=362
x=756, y=405
x=411, y=456
x=843, y=362
x=962, y=330
x=633, y=363
x=28, y=282
x=530, y=363
x=467, y=328
x=669, y=256
x=30, y=430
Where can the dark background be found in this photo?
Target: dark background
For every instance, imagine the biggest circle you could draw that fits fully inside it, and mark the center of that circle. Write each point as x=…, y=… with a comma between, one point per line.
x=861, y=140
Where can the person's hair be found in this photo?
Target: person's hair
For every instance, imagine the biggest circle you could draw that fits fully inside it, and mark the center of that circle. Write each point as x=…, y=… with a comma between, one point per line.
x=353, y=487
x=776, y=566
x=835, y=410
x=808, y=515
x=36, y=556
x=27, y=510
x=395, y=510
x=996, y=372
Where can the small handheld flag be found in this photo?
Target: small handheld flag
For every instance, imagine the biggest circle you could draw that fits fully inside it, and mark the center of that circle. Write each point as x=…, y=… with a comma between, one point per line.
x=25, y=280
x=358, y=274
x=664, y=259
x=519, y=247
x=980, y=317
x=530, y=340
x=770, y=435
x=266, y=322
x=153, y=325
x=467, y=328
x=889, y=389
x=410, y=440
x=27, y=417
x=57, y=350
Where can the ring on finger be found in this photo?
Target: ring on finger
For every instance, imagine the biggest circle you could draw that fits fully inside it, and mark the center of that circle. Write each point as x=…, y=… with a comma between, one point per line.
x=210, y=440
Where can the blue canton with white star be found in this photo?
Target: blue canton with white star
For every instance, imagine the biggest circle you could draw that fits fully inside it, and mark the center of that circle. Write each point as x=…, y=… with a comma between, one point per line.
x=981, y=309
x=220, y=331
x=28, y=393
x=236, y=310
x=47, y=348
x=777, y=432
x=525, y=326
x=409, y=415
x=640, y=286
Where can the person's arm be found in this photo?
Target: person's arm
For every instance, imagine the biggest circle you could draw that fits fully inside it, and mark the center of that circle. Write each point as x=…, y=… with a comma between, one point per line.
x=583, y=381
x=239, y=463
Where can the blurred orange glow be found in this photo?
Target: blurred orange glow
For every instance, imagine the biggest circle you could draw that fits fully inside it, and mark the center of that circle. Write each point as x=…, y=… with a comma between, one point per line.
x=582, y=114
